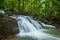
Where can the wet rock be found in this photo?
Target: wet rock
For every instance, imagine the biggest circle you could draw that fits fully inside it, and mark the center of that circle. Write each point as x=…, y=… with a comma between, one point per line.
x=8, y=26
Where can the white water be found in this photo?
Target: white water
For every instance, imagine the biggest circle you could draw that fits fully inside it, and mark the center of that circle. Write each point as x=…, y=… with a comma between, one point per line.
x=2, y=12
x=31, y=29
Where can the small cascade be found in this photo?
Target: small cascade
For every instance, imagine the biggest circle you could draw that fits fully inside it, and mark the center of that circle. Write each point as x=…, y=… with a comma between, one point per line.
x=27, y=25
x=31, y=29
x=2, y=12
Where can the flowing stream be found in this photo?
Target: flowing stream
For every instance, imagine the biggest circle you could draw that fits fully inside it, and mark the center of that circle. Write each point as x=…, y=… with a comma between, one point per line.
x=31, y=29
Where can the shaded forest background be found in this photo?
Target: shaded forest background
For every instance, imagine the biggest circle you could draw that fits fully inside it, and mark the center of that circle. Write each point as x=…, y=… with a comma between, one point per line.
x=47, y=11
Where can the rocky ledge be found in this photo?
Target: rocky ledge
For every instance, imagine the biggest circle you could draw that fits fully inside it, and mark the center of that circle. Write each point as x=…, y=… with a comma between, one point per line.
x=8, y=26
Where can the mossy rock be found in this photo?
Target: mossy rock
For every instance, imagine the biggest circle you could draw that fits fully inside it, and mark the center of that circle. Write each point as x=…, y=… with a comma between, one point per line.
x=8, y=26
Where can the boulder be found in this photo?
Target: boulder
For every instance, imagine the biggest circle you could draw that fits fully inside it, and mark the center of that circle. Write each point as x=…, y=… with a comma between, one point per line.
x=8, y=26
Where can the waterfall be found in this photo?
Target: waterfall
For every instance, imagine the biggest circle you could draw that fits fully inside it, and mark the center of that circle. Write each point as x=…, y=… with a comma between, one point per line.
x=2, y=12
x=26, y=24
x=31, y=29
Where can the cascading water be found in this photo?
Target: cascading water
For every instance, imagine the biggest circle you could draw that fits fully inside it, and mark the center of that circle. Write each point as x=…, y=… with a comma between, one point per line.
x=31, y=29
x=28, y=25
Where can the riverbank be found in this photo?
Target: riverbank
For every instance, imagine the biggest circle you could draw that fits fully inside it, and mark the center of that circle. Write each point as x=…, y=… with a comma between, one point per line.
x=51, y=21
x=11, y=38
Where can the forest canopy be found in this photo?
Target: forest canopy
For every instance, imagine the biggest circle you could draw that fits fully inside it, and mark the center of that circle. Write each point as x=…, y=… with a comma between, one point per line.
x=49, y=9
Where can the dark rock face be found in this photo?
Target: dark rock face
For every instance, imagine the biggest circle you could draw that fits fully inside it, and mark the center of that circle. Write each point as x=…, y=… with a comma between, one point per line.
x=8, y=26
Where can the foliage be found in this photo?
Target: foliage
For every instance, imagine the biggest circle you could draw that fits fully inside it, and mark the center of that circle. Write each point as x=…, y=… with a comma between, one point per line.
x=37, y=8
